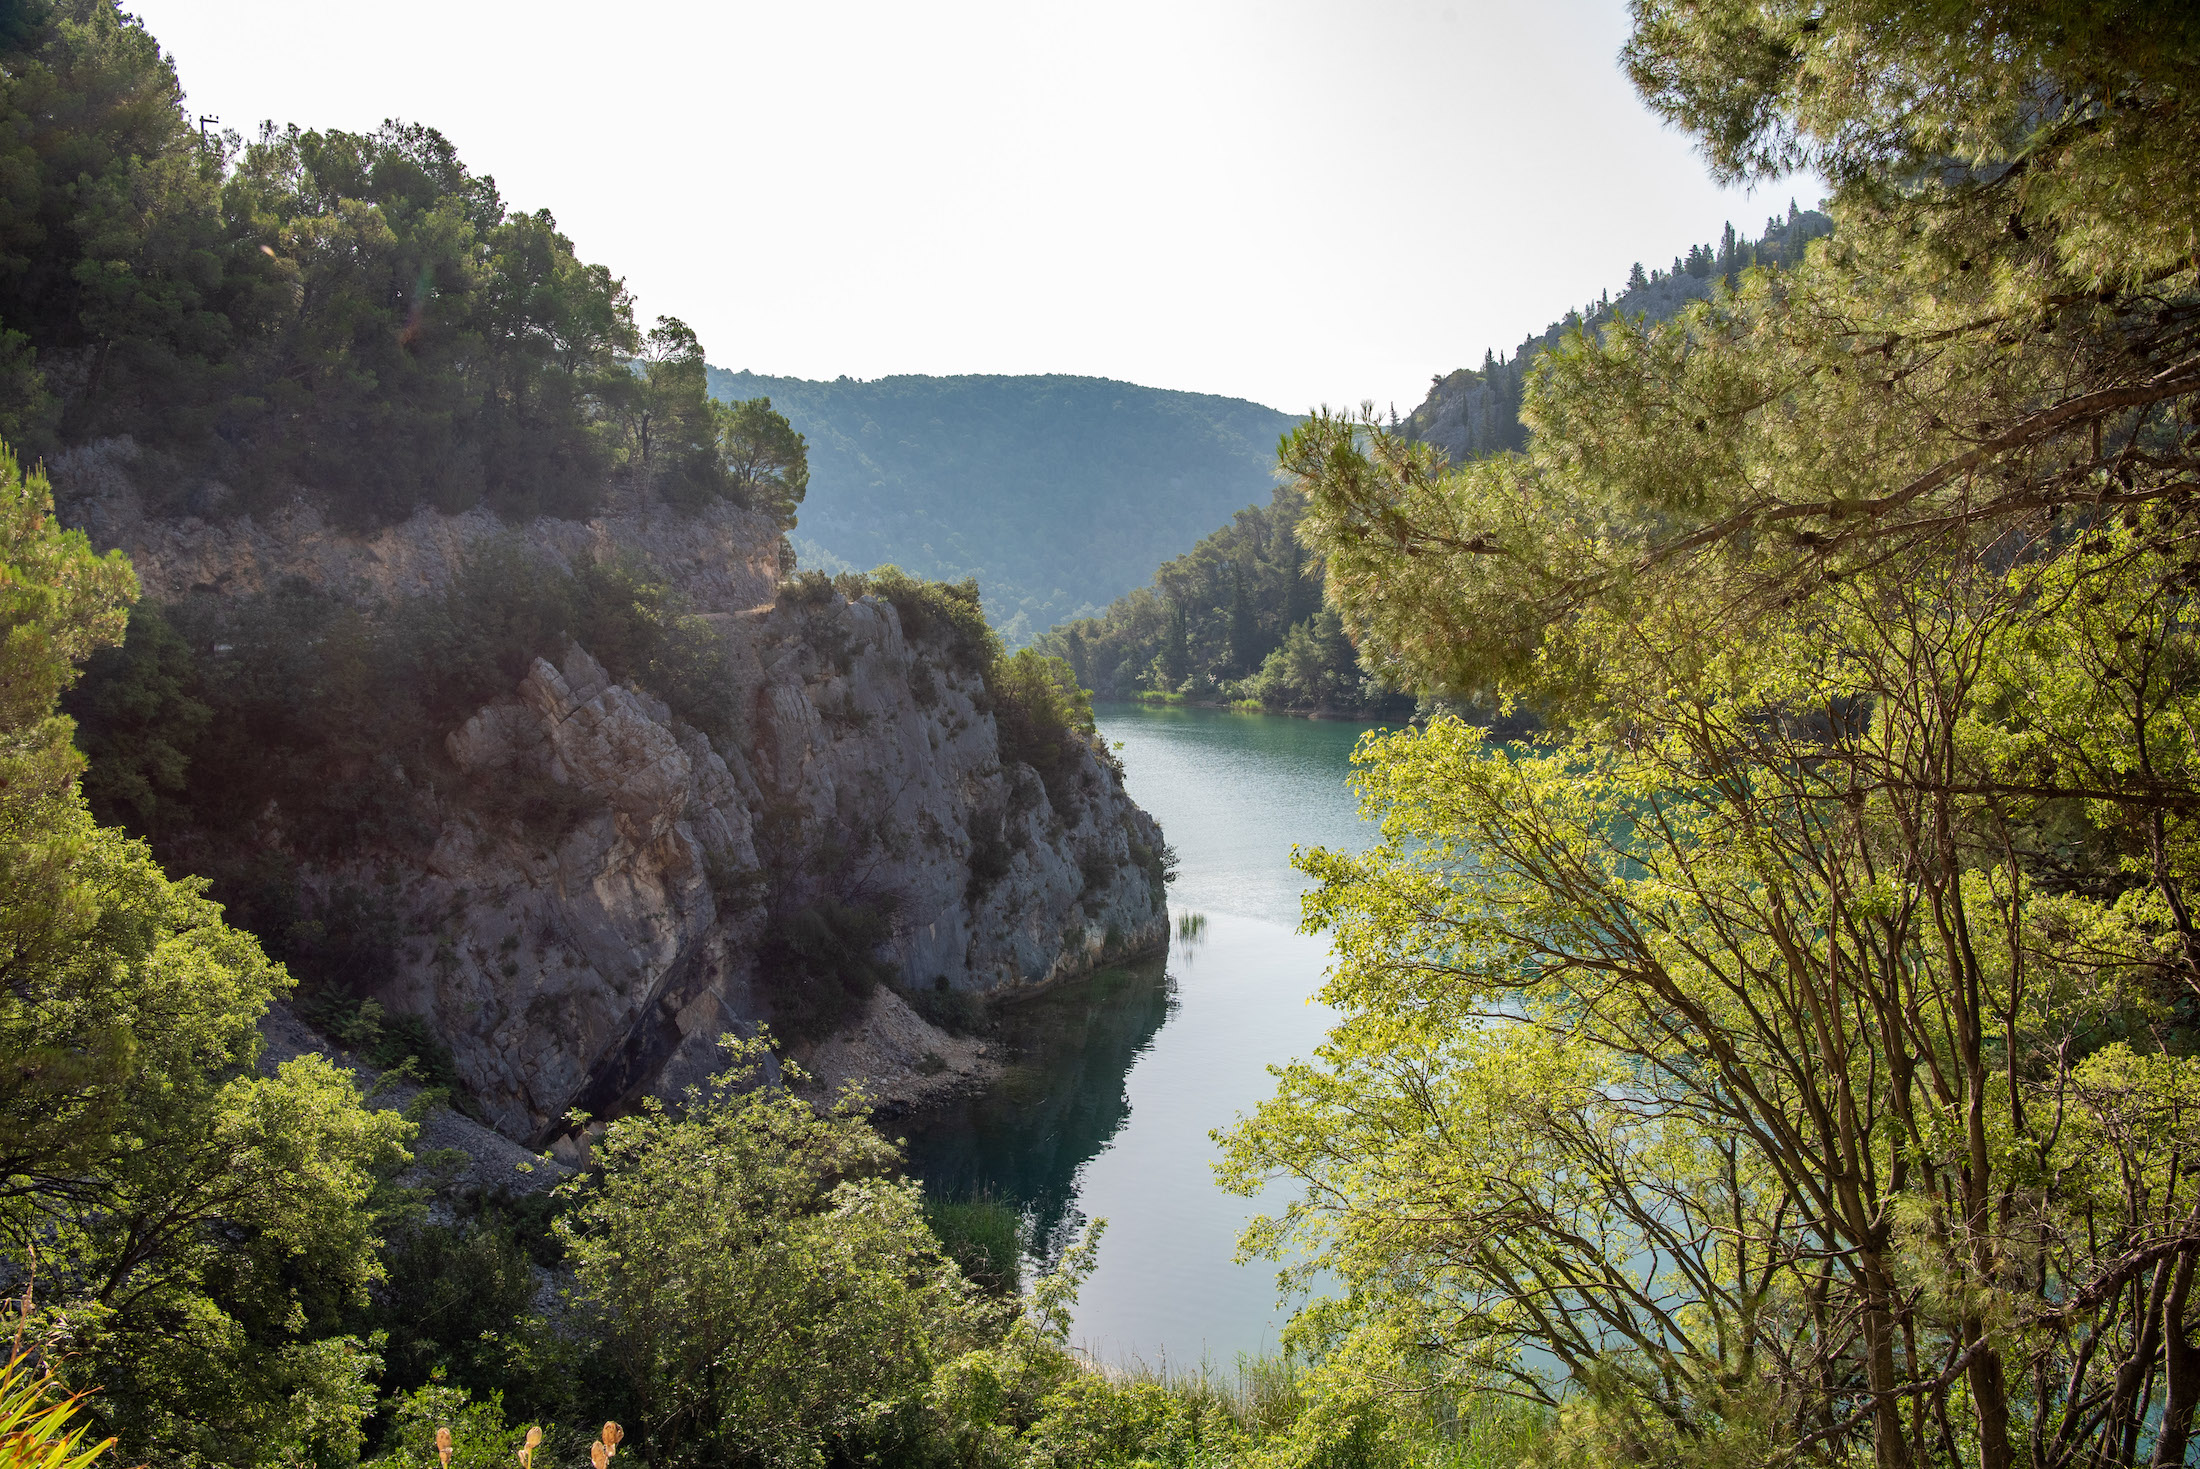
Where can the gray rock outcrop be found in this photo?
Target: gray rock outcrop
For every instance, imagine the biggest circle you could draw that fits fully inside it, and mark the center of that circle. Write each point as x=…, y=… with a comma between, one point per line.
x=584, y=967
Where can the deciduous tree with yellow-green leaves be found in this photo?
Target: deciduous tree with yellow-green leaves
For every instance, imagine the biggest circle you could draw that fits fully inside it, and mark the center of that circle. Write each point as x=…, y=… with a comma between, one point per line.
x=1792, y=1062
x=190, y=1229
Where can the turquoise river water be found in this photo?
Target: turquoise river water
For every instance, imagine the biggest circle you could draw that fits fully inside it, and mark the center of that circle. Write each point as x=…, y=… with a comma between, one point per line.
x=1116, y=1082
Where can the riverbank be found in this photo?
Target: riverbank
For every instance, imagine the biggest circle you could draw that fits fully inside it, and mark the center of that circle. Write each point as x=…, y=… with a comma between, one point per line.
x=1399, y=710
x=1110, y=1085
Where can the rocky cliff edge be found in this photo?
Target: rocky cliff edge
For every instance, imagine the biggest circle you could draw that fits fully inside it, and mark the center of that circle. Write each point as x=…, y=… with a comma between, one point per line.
x=584, y=971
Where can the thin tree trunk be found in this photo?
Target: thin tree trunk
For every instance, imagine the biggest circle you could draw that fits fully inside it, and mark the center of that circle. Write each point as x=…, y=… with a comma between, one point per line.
x=1890, y=1439
x=1990, y=1400
x=2182, y=1363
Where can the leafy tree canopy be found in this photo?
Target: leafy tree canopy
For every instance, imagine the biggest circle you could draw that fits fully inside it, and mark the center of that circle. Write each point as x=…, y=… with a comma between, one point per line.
x=1830, y=987
x=769, y=1295
x=192, y=1230
x=356, y=313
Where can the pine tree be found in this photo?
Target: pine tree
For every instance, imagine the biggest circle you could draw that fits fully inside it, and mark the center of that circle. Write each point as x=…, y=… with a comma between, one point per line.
x=1636, y=280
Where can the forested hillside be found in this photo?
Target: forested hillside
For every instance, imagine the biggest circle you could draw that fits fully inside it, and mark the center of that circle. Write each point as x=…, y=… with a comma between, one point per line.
x=1057, y=493
x=1239, y=618
x=357, y=314
x=1475, y=411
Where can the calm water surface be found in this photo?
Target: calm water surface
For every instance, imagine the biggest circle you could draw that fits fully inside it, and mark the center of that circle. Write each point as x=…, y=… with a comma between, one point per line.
x=1118, y=1081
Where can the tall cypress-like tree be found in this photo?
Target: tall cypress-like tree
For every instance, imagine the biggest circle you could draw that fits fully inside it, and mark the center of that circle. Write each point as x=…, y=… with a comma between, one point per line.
x=1301, y=593
x=1176, y=655
x=1245, y=649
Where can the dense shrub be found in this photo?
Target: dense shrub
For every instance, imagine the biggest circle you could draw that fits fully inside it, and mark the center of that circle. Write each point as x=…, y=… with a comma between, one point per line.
x=768, y=1291
x=404, y=1047
x=457, y=1300
x=1045, y=719
x=948, y=612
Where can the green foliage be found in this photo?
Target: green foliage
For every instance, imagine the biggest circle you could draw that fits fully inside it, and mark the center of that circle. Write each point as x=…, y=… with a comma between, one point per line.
x=59, y=603
x=766, y=460
x=984, y=1237
x=2073, y=115
x=767, y=1292
x=354, y=312
x=1026, y=1400
x=1316, y=668
x=404, y=1046
x=671, y=425
x=457, y=1304
x=137, y=721
x=1218, y=619
x=1472, y=413
x=220, y=1342
x=1044, y=717
x=1057, y=493
x=396, y=337
x=1764, y=1055
x=946, y=612
x=481, y=1438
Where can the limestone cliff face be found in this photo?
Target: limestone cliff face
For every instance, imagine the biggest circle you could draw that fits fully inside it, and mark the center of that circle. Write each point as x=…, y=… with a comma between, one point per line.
x=721, y=558
x=586, y=969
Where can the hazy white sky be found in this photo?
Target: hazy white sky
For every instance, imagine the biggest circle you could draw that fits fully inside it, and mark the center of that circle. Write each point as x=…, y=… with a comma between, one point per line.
x=1294, y=202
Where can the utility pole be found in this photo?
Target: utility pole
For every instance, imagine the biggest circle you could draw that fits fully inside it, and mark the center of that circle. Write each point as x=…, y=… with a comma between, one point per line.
x=204, y=119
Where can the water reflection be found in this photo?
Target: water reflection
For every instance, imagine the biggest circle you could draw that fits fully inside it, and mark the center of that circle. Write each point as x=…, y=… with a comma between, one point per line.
x=1118, y=1080
x=1064, y=1097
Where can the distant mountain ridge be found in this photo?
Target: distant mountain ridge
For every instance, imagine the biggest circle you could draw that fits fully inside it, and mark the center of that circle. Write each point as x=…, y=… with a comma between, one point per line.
x=1057, y=493
x=1238, y=618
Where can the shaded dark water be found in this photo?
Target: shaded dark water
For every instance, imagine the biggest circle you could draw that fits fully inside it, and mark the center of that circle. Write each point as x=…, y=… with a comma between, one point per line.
x=1117, y=1081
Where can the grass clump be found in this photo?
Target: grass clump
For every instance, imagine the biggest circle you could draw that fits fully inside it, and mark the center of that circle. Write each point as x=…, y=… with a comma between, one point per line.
x=984, y=1236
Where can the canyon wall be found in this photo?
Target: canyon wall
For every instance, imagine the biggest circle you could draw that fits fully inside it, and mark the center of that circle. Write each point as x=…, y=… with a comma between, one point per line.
x=697, y=884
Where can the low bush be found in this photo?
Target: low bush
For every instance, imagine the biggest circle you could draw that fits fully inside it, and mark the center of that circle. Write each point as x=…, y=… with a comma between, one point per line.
x=948, y=612
x=1044, y=717
x=405, y=1046
x=457, y=1299
x=767, y=1289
